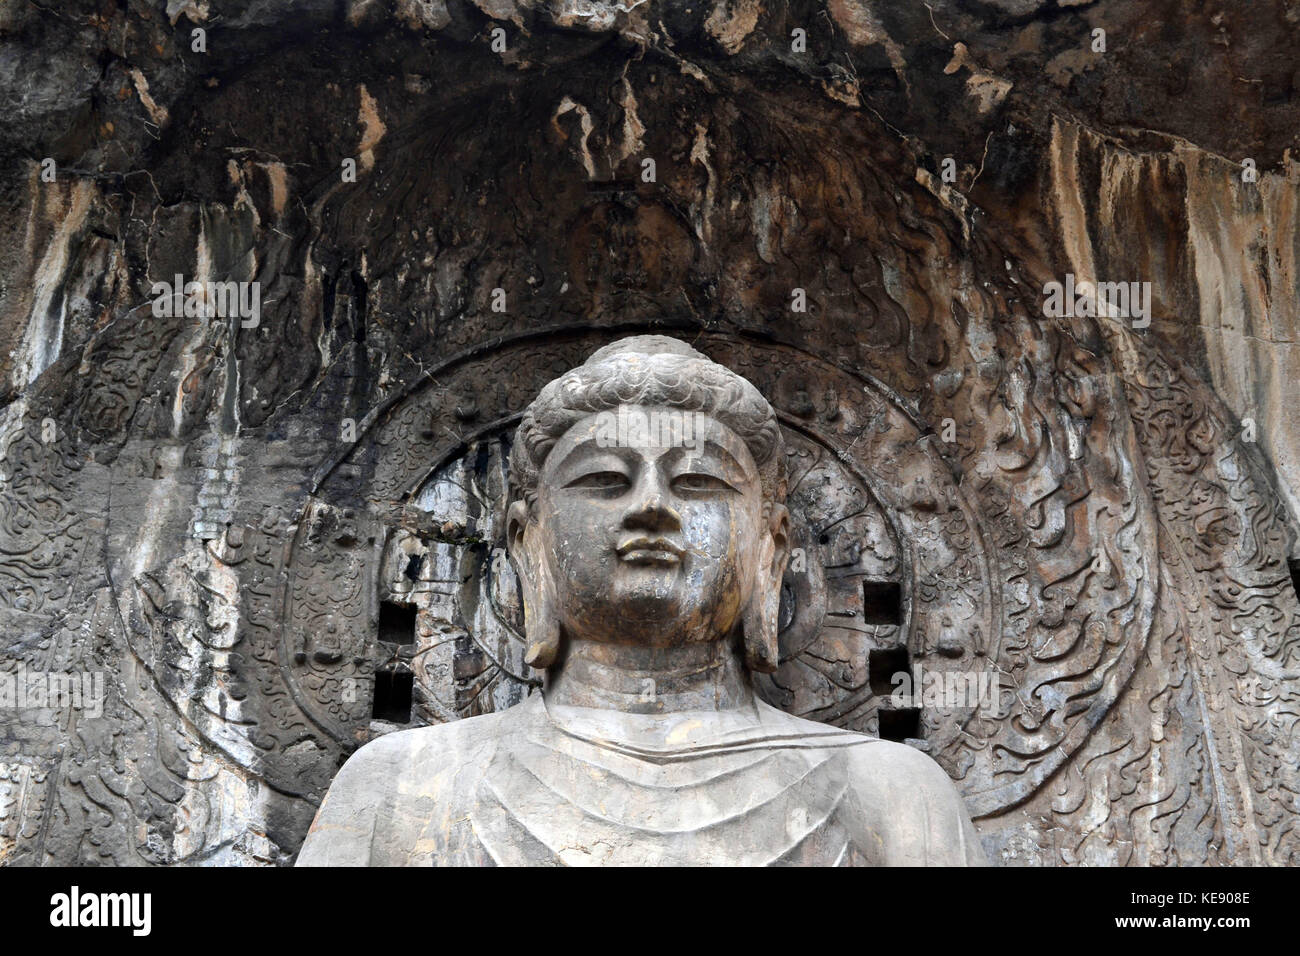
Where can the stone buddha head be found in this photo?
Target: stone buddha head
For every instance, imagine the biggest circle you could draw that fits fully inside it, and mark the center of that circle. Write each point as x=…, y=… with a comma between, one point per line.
x=646, y=505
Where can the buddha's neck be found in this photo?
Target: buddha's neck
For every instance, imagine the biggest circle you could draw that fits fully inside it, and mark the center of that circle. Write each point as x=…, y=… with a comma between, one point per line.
x=650, y=680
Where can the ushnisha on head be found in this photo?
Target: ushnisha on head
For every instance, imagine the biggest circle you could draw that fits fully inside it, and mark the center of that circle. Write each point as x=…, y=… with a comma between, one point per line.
x=671, y=531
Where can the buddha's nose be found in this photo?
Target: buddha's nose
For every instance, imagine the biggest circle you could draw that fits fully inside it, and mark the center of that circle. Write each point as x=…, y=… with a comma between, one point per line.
x=652, y=513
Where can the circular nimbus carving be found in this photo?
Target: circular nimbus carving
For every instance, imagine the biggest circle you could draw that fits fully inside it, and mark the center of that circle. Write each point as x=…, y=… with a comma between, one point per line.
x=886, y=573
x=892, y=576
x=842, y=542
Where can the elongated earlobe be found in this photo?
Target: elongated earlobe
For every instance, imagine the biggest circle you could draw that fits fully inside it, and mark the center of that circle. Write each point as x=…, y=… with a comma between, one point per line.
x=760, y=623
x=762, y=618
x=541, y=622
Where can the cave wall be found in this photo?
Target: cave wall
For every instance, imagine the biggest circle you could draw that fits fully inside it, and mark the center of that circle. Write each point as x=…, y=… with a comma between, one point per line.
x=231, y=523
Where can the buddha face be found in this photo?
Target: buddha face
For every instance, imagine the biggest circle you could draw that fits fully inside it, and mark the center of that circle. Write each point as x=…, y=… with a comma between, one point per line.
x=649, y=543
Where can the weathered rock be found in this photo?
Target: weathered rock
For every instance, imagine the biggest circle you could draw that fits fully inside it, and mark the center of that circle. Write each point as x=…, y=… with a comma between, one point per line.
x=241, y=525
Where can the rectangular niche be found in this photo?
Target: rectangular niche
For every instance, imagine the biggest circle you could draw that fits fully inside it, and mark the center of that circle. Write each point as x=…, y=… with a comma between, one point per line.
x=396, y=623
x=882, y=602
x=901, y=724
x=393, y=689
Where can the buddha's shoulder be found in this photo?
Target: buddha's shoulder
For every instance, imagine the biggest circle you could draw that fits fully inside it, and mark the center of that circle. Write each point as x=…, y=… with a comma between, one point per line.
x=468, y=743
x=901, y=807
x=398, y=797
x=901, y=766
x=880, y=766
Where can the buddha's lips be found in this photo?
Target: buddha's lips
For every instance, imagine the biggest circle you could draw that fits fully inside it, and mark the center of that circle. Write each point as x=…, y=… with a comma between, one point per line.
x=649, y=551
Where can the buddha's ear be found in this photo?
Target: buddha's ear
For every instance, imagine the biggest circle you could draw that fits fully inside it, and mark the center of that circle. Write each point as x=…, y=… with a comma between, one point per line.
x=541, y=624
x=762, y=616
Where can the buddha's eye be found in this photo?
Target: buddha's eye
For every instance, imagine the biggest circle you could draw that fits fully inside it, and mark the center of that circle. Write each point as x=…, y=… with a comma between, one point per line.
x=698, y=481
x=601, y=481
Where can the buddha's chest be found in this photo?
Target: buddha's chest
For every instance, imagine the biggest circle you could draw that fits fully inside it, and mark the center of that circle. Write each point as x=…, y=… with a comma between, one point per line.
x=537, y=804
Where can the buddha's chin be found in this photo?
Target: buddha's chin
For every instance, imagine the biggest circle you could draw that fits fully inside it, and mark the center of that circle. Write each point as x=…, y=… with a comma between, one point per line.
x=647, y=604
x=648, y=582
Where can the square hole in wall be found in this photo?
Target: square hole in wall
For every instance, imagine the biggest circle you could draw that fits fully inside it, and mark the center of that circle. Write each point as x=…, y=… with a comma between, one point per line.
x=396, y=623
x=393, y=695
x=882, y=602
x=882, y=665
x=900, y=725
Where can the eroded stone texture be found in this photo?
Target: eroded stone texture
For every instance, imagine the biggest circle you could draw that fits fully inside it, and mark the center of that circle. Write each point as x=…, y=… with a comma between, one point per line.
x=240, y=527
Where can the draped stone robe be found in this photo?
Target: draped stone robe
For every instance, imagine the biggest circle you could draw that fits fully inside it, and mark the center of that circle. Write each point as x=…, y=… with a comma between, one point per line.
x=544, y=785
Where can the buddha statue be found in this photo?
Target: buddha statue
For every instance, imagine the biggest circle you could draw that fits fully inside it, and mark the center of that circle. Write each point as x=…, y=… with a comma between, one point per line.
x=646, y=523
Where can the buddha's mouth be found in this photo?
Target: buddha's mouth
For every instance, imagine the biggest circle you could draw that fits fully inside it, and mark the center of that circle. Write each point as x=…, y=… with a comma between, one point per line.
x=643, y=550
